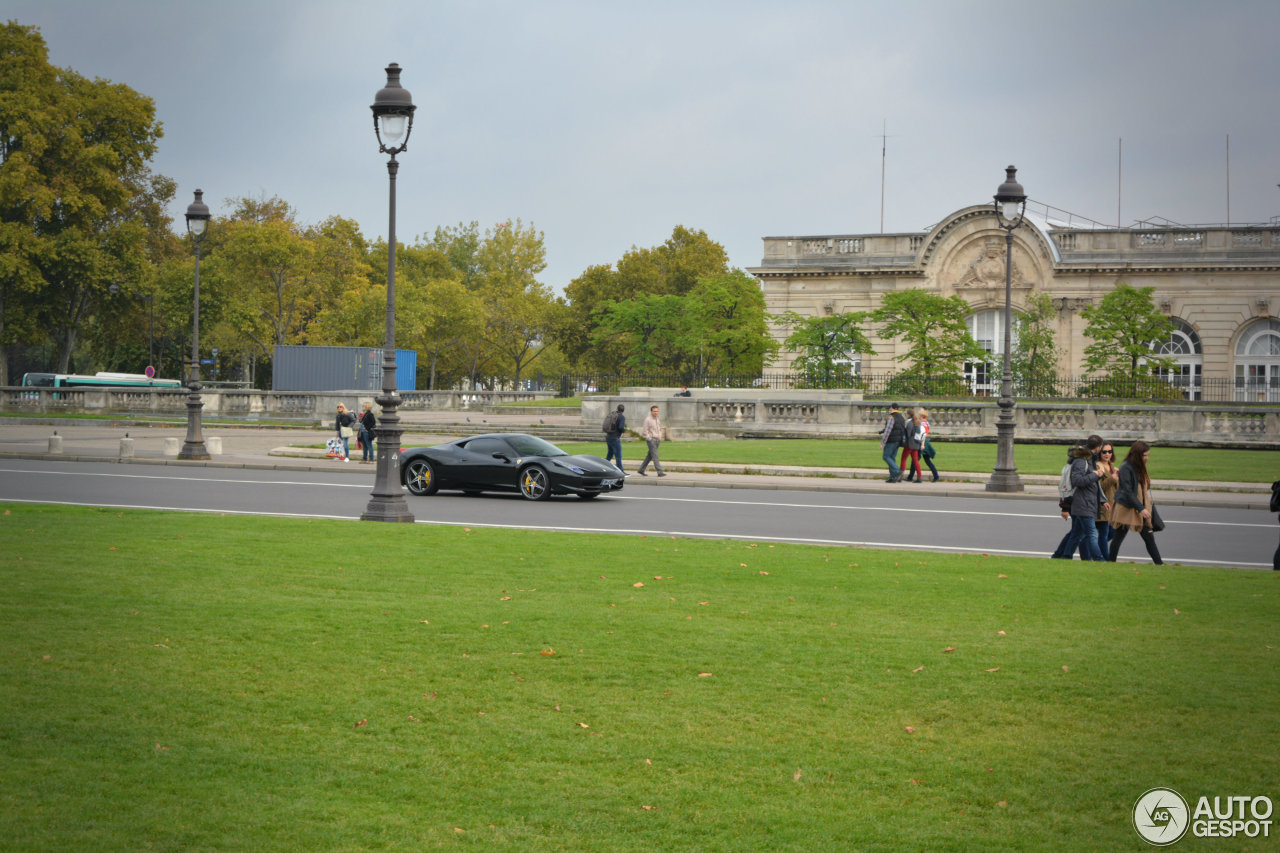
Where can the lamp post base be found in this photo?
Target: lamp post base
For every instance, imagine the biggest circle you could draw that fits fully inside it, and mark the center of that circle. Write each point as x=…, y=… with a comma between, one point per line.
x=1004, y=477
x=386, y=502
x=193, y=448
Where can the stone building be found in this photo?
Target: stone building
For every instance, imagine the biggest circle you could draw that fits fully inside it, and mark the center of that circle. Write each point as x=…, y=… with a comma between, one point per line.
x=1219, y=284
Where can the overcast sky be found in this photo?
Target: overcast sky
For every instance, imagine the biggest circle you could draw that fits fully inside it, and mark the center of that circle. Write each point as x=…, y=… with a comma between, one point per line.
x=606, y=124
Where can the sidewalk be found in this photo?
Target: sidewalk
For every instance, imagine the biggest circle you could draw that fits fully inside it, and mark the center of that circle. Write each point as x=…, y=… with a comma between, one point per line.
x=278, y=448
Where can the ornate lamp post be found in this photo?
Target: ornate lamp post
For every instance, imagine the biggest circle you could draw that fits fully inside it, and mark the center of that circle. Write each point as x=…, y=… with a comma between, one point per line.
x=1011, y=209
x=193, y=447
x=392, y=123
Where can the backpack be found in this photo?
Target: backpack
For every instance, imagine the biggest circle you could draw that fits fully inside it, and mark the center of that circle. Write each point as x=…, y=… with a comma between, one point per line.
x=610, y=422
x=1065, y=489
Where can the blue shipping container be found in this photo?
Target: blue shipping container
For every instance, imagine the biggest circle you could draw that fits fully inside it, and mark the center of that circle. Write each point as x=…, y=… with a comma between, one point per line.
x=308, y=368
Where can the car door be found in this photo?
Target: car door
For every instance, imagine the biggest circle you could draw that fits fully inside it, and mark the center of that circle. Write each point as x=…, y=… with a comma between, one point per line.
x=490, y=463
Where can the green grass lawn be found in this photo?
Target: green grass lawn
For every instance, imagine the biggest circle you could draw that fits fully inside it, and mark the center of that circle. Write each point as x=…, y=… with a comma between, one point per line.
x=1171, y=463
x=195, y=682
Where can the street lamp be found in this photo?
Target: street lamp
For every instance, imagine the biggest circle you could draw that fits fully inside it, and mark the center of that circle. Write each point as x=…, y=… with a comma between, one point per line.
x=392, y=123
x=193, y=447
x=1011, y=209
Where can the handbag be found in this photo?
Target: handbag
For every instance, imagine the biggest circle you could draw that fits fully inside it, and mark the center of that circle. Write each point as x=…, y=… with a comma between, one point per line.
x=1157, y=523
x=346, y=432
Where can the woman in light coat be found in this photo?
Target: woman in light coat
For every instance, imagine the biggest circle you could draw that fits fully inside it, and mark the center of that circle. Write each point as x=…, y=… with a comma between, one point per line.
x=1132, y=508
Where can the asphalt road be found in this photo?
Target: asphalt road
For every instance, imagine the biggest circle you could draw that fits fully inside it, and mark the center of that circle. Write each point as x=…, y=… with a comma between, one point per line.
x=910, y=518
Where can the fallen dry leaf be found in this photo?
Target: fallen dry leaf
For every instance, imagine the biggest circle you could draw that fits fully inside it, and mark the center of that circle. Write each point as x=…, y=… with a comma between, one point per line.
x=994, y=669
x=1001, y=634
x=1003, y=804
x=637, y=584
x=505, y=598
x=1002, y=576
x=548, y=652
x=1064, y=668
x=917, y=669
x=764, y=573
x=911, y=730
x=1177, y=612
x=583, y=726
x=362, y=723
x=797, y=776
x=949, y=649
x=650, y=808
x=704, y=675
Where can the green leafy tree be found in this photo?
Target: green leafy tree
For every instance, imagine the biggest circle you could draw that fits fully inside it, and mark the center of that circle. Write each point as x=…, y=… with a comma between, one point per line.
x=1034, y=357
x=728, y=324
x=826, y=345
x=935, y=328
x=75, y=193
x=1122, y=328
x=520, y=311
x=648, y=329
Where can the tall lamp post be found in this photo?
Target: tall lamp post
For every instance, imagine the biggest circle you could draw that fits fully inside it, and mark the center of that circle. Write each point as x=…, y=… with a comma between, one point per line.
x=392, y=123
x=193, y=447
x=1011, y=209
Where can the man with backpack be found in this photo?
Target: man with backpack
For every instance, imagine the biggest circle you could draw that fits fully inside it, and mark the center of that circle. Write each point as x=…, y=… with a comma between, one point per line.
x=1080, y=499
x=615, y=424
x=891, y=437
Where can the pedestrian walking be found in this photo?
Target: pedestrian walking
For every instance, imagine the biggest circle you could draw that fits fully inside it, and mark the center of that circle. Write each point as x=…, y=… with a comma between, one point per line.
x=1085, y=501
x=344, y=425
x=891, y=439
x=913, y=440
x=1133, y=509
x=1275, y=507
x=615, y=424
x=926, y=446
x=367, y=424
x=651, y=432
x=1066, y=498
x=1109, y=483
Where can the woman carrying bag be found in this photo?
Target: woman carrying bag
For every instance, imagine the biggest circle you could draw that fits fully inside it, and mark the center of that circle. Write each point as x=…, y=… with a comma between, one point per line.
x=1132, y=509
x=344, y=425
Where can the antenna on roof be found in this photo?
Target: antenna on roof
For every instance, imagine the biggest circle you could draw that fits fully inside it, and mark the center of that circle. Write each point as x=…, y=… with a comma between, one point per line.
x=884, y=135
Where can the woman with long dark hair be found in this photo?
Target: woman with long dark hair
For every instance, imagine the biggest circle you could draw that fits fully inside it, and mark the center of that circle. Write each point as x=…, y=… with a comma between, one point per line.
x=1132, y=507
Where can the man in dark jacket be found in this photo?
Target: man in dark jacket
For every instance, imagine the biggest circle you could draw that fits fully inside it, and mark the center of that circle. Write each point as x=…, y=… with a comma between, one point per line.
x=895, y=430
x=613, y=436
x=1087, y=500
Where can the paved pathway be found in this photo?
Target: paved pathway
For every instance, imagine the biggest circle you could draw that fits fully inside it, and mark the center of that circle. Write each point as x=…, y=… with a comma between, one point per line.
x=252, y=446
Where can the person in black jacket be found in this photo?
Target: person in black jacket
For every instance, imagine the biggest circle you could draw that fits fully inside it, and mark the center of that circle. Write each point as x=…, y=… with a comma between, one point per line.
x=614, y=430
x=367, y=423
x=1133, y=503
x=344, y=420
x=1088, y=500
x=895, y=430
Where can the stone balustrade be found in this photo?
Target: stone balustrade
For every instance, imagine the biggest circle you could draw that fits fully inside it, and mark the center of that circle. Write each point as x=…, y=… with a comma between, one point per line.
x=768, y=414
x=309, y=407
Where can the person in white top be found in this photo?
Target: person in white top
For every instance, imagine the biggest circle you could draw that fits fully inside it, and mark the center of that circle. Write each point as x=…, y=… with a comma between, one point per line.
x=651, y=432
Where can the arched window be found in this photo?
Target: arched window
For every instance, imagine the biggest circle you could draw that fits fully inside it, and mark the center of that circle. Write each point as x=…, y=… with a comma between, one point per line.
x=987, y=328
x=1257, y=363
x=1182, y=345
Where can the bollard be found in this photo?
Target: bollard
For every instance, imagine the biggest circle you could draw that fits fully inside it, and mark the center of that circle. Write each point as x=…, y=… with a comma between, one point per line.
x=126, y=447
x=171, y=446
x=55, y=443
x=213, y=444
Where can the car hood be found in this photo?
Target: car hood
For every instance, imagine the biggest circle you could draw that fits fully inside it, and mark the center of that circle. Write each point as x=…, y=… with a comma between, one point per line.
x=589, y=464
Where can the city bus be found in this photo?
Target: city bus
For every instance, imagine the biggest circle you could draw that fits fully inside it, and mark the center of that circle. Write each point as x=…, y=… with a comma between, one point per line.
x=98, y=380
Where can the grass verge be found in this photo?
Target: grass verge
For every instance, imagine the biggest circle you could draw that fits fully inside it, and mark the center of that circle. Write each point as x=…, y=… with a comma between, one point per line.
x=178, y=681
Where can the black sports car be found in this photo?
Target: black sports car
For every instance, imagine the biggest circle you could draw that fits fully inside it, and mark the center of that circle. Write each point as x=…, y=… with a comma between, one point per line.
x=506, y=462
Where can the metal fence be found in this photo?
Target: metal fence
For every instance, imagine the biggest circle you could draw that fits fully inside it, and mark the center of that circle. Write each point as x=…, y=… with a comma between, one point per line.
x=1172, y=389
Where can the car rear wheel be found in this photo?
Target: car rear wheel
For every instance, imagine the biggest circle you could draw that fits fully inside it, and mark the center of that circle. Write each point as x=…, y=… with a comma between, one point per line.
x=420, y=477
x=534, y=484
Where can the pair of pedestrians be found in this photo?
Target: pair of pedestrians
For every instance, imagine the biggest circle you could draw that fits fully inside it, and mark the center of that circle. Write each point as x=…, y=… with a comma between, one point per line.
x=911, y=434
x=615, y=426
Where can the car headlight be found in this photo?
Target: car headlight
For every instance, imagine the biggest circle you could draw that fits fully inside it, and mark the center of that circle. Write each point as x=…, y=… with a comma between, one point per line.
x=574, y=468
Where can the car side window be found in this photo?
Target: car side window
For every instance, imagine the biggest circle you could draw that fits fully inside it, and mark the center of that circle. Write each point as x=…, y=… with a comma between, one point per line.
x=488, y=446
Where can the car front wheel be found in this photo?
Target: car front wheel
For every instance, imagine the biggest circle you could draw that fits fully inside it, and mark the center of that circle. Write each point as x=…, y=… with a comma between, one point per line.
x=534, y=484
x=420, y=477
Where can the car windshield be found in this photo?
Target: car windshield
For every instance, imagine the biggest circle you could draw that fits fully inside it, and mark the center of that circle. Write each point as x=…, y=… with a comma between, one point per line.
x=531, y=445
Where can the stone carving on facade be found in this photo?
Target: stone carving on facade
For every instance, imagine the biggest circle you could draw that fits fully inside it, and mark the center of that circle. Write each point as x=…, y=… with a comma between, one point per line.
x=987, y=270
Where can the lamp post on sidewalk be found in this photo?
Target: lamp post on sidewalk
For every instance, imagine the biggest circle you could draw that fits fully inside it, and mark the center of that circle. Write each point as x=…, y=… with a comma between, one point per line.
x=193, y=447
x=1011, y=209
x=392, y=123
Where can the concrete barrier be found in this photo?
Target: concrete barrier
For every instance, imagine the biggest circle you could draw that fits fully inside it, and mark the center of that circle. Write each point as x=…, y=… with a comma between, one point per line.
x=172, y=446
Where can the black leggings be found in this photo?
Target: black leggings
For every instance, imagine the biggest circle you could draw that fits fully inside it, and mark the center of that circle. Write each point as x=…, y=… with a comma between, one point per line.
x=1148, y=539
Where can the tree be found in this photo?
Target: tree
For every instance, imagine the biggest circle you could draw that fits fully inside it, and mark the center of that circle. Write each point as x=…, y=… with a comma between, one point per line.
x=520, y=310
x=1123, y=327
x=826, y=346
x=935, y=328
x=673, y=268
x=647, y=328
x=729, y=329
x=75, y=192
x=1034, y=357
